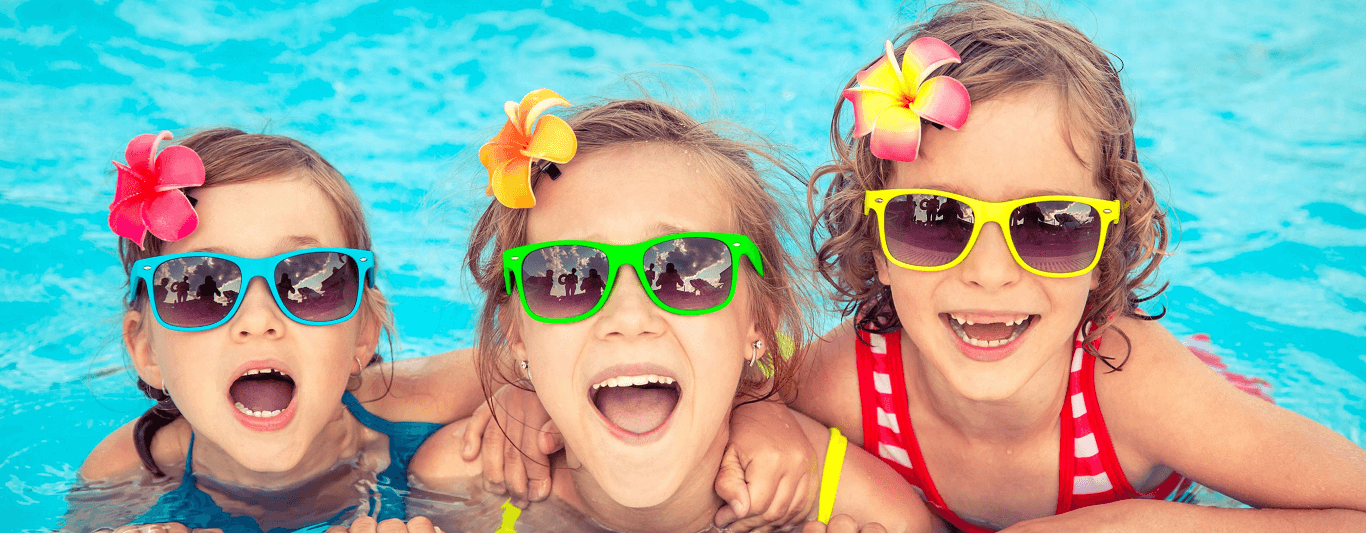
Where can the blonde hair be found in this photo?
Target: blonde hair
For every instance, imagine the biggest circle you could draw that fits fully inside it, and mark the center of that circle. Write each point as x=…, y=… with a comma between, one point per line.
x=1003, y=53
x=232, y=156
x=776, y=305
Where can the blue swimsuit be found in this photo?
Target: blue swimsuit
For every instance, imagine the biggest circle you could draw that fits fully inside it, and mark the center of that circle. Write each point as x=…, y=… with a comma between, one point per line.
x=194, y=508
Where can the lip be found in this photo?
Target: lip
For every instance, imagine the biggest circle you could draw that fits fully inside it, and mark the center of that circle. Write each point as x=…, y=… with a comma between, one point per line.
x=634, y=439
x=273, y=423
x=978, y=353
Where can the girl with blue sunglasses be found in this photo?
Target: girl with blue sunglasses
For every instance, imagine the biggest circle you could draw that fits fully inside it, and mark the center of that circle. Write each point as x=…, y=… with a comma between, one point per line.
x=252, y=320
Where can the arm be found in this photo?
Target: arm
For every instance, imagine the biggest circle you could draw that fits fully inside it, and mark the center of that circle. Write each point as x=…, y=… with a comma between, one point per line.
x=1167, y=410
x=436, y=388
x=828, y=388
x=114, y=466
x=767, y=473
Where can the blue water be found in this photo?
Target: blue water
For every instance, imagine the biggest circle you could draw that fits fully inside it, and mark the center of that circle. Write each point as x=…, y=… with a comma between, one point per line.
x=1251, y=119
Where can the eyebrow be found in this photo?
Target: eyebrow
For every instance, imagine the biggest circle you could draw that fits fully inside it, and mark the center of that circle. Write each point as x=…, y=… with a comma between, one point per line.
x=665, y=228
x=1028, y=193
x=292, y=242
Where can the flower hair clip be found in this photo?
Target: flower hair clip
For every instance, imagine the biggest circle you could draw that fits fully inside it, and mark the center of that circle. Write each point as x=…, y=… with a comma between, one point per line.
x=890, y=100
x=148, y=196
x=526, y=136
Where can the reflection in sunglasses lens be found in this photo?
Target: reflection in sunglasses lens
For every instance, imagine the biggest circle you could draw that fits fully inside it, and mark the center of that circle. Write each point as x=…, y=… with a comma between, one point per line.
x=191, y=292
x=690, y=274
x=1056, y=236
x=318, y=286
x=927, y=230
x=564, y=281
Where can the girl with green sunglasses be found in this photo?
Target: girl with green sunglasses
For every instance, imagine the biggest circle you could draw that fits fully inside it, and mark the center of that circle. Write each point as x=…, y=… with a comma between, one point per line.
x=640, y=373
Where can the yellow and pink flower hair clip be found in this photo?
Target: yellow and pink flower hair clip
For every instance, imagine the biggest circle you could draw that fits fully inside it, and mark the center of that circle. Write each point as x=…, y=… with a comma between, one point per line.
x=890, y=99
x=526, y=136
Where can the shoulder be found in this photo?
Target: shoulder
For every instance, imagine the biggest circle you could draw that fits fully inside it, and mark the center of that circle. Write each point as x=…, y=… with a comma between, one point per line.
x=438, y=463
x=116, y=457
x=828, y=387
x=439, y=388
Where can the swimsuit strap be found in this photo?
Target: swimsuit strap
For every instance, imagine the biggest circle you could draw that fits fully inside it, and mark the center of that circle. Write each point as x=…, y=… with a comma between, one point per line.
x=830, y=478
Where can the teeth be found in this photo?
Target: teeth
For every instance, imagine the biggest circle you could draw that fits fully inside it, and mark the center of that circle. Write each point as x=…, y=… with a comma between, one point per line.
x=628, y=381
x=255, y=371
x=958, y=322
x=257, y=414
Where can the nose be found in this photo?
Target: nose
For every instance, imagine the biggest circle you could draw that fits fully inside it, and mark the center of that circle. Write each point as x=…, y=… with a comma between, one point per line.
x=990, y=264
x=258, y=316
x=629, y=313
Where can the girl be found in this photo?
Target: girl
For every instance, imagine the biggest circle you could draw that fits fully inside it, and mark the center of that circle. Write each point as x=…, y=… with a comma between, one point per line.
x=641, y=380
x=986, y=347
x=259, y=383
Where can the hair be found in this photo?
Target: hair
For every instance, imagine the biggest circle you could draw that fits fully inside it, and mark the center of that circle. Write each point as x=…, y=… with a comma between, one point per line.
x=777, y=295
x=232, y=156
x=1003, y=53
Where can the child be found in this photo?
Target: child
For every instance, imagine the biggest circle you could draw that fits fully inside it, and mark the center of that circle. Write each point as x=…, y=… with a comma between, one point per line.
x=640, y=381
x=256, y=426
x=980, y=316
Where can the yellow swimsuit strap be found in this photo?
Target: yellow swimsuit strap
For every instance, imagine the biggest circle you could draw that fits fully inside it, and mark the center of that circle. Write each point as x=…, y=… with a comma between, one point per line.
x=830, y=477
x=510, y=514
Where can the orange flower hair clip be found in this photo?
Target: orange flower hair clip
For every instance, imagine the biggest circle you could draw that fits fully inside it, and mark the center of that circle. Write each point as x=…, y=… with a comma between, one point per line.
x=890, y=100
x=526, y=136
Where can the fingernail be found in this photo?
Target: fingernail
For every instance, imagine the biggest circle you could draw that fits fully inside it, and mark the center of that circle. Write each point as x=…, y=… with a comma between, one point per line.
x=469, y=448
x=539, y=489
x=439, y=530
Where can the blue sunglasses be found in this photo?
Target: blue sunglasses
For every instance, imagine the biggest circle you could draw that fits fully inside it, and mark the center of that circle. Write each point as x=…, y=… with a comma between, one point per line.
x=201, y=291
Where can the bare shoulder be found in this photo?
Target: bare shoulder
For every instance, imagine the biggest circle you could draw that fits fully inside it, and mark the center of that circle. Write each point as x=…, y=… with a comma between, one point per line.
x=116, y=457
x=828, y=388
x=438, y=463
x=438, y=388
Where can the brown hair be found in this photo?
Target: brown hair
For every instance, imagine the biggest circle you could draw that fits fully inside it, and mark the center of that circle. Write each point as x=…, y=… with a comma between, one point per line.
x=232, y=156
x=778, y=296
x=1003, y=53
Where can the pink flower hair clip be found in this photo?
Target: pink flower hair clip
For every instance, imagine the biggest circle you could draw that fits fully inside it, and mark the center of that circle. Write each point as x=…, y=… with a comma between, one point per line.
x=890, y=100
x=148, y=195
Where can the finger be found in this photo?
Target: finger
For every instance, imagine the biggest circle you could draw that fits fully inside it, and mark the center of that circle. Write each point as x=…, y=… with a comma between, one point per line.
x=537, y=465
x=730, y=486
x=782, y=501
x=514, y=468
x=491, y=458
x=420, y=524
x=802, y=499
x=843, y=524
x=551, y=439
x=392, y=525
x=474, y=432
x=873, y=528
x=364, y=524
x=813, y=527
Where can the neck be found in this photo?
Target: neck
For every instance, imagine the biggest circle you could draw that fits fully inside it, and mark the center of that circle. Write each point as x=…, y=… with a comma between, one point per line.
x=341, y=441
x=688, y=510
x=1031, y=411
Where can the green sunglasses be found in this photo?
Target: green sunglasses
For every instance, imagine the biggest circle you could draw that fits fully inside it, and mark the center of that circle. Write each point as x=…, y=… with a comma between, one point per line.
x=684, y=273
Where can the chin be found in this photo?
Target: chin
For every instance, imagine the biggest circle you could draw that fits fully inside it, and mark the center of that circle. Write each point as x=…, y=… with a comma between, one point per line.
x=641, y=486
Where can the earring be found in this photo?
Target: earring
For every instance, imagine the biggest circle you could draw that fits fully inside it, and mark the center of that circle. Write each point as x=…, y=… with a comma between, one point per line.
x=758, y=345
x=165, y=390
x=526, y=368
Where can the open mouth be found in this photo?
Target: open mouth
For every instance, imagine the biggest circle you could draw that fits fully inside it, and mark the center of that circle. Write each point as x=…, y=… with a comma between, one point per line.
x=637, y=404
x=262, y=392
x=989, y=334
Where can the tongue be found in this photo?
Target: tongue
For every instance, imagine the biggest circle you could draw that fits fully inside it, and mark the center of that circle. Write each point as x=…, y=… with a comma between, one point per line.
x=637, y=409
x=989, y=332
x=262, y=394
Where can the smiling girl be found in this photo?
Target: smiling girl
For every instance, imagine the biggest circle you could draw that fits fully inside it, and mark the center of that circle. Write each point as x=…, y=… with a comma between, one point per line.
x=258, y=362
x=641, y=378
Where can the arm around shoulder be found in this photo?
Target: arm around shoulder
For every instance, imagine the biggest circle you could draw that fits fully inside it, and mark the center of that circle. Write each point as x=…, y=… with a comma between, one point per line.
x=438, y=464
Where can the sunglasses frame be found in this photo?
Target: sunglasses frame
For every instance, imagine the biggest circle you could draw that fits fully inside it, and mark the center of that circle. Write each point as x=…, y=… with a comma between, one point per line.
x=619, y=255
x=984, y=212
x=251, y=268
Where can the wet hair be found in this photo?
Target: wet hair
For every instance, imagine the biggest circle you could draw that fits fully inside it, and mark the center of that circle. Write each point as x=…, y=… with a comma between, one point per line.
x=778, y=296
x=1003, y=53
x=232, y=156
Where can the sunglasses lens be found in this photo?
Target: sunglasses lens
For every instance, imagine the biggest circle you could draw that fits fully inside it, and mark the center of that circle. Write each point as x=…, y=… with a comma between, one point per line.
x=1057, y=236
x=191, y=292
x=927, y=230
x=318, y=286
x=690, y=274
x=564, y=281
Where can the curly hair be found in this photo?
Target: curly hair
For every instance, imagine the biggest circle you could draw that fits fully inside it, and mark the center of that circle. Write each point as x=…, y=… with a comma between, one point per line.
x=1003, y=53
x=234, y=156
x=776, y=307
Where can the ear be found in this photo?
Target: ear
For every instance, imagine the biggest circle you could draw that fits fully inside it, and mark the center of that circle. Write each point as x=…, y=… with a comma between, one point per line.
x=750, y=338
x=884, y=275
x=1095, y=279
x=515, y=340
x=367, y=339
x=139, y=346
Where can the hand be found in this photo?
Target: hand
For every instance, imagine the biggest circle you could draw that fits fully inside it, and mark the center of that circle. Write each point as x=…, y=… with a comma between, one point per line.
x=167, y=527
x=768, y=470
x=514, y=458
x=366, y=524
x=842, y=524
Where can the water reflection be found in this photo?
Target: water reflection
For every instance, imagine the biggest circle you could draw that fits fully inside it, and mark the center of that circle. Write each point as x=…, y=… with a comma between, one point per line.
x=467, y=508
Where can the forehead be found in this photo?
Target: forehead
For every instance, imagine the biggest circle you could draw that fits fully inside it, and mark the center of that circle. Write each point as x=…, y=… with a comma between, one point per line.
x=262, y=218
x=630, y=193
x=1012, y=146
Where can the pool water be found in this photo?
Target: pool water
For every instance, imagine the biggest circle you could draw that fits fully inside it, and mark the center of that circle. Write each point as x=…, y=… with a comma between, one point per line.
x=1251, y=120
